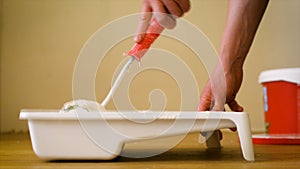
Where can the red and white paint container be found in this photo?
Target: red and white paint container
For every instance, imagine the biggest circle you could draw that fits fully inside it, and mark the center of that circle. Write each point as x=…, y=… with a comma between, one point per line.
x=281, y=99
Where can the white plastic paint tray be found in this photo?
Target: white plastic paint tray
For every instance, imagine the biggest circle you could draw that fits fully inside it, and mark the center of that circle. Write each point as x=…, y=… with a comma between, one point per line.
x=102, y=135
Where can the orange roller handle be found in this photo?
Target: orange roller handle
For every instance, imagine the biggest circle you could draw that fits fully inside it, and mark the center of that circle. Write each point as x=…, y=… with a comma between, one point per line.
x=153, y=32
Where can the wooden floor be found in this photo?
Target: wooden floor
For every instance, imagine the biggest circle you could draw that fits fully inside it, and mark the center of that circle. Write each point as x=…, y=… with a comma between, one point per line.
x=16, y=152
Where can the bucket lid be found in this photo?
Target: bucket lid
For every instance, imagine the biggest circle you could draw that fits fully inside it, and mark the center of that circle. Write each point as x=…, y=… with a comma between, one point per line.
x=289, y=74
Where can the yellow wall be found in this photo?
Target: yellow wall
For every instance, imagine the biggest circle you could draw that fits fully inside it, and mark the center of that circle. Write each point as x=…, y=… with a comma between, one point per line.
x=0, y=58
x=40, y=41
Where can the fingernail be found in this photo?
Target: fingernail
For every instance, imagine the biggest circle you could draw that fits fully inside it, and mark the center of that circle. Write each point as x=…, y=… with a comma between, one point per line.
x=138, y=38
x=135, y=38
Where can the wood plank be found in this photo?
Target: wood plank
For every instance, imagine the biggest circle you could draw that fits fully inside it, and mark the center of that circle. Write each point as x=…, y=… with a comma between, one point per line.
x=16, y=152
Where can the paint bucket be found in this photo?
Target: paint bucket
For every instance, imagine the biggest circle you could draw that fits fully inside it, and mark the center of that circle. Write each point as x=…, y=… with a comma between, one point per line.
x=281, y=98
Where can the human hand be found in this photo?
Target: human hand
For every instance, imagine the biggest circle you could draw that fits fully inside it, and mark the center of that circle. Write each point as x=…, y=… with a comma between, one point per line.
x=165, y=12
x=233, y=79
x=243, y=18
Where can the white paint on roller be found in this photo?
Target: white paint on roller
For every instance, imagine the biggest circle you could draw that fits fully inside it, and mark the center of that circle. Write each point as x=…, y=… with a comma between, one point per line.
x=89, y=105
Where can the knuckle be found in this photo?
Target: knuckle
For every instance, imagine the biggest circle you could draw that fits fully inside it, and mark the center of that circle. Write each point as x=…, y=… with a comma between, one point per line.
x=177, y=13
x=166, y=21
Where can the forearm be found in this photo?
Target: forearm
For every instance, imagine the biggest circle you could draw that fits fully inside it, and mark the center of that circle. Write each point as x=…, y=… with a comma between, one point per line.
x=243, y=19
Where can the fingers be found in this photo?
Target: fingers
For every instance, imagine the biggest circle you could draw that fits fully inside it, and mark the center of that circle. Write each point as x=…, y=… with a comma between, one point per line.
x=177, y=7
x=220, y=134
x=206, y=99
x=234, y=106
x=204, y=104
x=158, y=9
x=163, y=16
x=207, y=102
x=184, y=5
x=143, y=23
x=165, y=12
x=173, y=8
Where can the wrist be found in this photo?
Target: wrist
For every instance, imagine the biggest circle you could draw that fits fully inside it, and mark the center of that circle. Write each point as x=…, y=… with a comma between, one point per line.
x=232, y=63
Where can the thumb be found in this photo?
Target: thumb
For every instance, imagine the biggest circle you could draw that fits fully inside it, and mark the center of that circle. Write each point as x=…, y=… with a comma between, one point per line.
x=143, y=23
x=234, y=106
